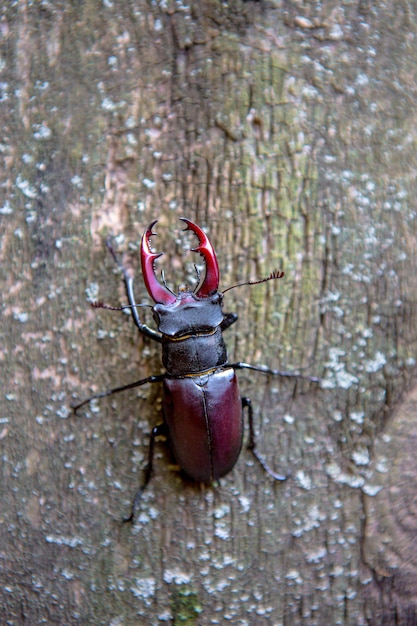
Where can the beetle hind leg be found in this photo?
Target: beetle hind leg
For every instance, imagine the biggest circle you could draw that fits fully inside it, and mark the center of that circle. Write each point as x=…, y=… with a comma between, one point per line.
x=246, y=403
x=160, y=429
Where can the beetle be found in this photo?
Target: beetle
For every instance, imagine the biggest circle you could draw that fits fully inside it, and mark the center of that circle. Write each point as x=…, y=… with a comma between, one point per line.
x=201, y=402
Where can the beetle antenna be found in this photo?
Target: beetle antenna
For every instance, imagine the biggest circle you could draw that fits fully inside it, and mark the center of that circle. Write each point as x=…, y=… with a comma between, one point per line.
x=165, y=282
x=273, y=276
x=100, y=305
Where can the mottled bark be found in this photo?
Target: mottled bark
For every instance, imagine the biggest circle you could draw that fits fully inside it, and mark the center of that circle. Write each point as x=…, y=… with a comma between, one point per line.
x=288, y=133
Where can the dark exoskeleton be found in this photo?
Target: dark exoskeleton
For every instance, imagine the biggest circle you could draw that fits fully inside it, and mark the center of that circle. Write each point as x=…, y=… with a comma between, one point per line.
x=202, y=406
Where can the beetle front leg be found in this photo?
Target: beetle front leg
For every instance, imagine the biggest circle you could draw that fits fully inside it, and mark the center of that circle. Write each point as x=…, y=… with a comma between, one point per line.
x=128, y=280
x=160, y=429
x=228, y=320
x=246, y=403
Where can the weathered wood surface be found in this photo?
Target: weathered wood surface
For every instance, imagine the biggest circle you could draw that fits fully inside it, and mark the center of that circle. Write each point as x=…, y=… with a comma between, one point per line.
x=289, y=133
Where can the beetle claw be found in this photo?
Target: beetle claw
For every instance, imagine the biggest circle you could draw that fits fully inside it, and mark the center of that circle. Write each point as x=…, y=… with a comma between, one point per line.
x=211, y=279
x=159, y=293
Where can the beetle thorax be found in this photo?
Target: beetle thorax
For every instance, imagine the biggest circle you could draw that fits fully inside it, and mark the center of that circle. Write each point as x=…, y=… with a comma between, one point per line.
x=192, y=340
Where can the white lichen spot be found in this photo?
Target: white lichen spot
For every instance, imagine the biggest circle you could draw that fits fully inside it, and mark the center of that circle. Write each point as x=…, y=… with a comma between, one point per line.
x=332, y=296
x=222, y=533
x=31, y=217
x=108, y=105
x=341, y=379
x=341, y=477
x=371, y=490
x=149, y=184
x=92, y=292
x=361, y=457
x=288, y=419
x=6, y=209
x=303, y=480
x=338, y=376
x=336, y=33
x=21, y=317
x=63, y=412
x=222, y=585
x=362, y=80
x=313, y=519
x=144, y=588
x=94, y=406
x=143, y=518
x=376, y=363
x=245, y=503
x=153, y=513
x=221, y=511
x=165, y=616
x=295, y=576
x=357, y=416
x=382, y=465
x=176, y=576
x=42, y=131
x=77, y=181
x=25, y=187
x=337, y=571
x=315, y=556
x=61, y=540
x=131, y=139
x=348, y=269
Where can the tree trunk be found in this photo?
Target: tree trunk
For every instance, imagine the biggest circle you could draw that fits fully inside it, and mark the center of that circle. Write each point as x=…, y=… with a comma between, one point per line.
x=289, y=134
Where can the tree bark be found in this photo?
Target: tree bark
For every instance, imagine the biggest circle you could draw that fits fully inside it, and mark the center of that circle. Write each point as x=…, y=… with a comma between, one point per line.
x=288, y=133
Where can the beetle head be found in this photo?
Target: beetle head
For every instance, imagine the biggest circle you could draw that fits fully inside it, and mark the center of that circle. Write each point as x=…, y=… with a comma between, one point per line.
x=189, y=315
x=187, y=312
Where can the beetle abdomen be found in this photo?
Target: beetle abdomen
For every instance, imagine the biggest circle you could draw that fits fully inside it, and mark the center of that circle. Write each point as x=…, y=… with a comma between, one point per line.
x=204, y=417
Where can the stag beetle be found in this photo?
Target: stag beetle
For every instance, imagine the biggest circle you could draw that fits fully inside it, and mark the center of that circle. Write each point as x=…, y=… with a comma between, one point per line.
x=201, y=402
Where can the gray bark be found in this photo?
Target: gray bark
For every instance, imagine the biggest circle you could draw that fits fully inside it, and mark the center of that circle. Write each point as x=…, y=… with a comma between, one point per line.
x=287, y=132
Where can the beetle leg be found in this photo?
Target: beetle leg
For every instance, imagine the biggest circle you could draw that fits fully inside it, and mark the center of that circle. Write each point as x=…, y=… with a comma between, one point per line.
x=160, y=429
x=128, y=280
x=151, y=379
x=228, y=320
x=267, y=370
x=246, y=403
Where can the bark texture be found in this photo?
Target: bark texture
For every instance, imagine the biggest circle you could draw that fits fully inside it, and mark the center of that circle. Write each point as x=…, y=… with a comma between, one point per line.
x=287, y=130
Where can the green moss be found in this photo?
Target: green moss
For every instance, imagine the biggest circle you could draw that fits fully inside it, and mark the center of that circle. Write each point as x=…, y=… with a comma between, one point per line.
x=185, y=606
